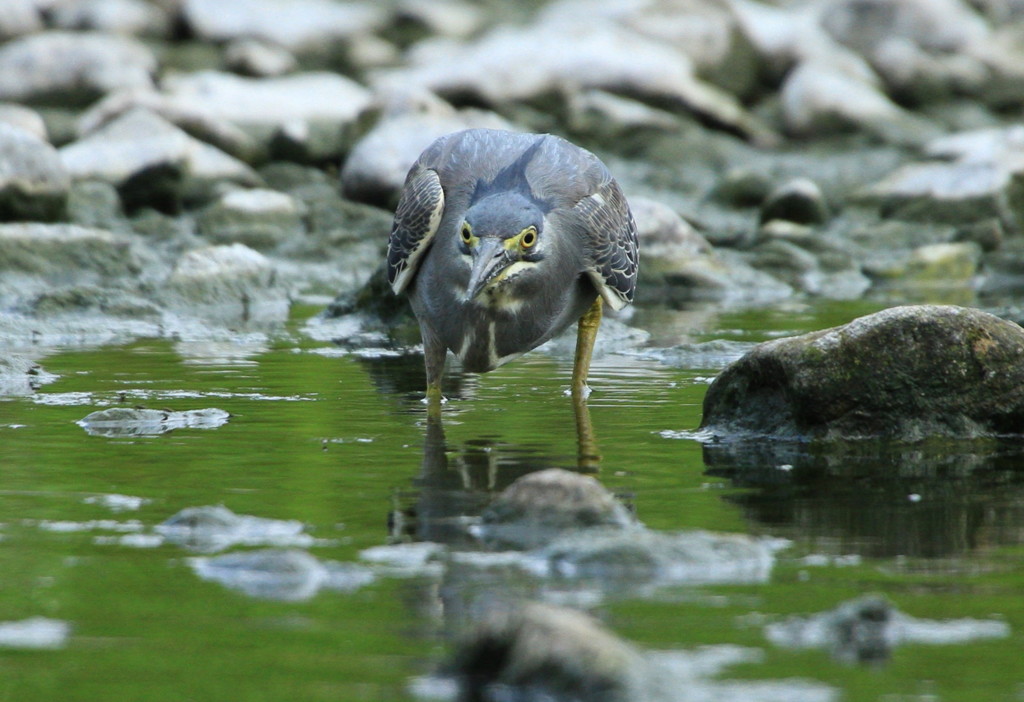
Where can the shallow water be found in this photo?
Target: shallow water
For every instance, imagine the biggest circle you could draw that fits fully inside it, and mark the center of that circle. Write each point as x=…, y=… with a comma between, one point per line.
x=339, y=450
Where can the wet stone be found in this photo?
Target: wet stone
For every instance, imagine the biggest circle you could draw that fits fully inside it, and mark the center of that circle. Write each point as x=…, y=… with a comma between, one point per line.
x=538, y=506
x=19, y=17
x=257, y=59
x=151, y=162
x=294, y=24
x=375, y=169
x=65, y=253
x=35, y=633
x=865, y=630
x=903, y=373
x=301, y=117
x=126, y=17
x=823, y=97
x=742, y=187
x=799, y=200
x=72, y=67
x=287, y=575
x=228, y=281
x=260, y=219
x=132, y=421
x=94, y=203
x=33, y=181
x=23, y=118
x=542, y=652
x=20, y=376
x=215, y=528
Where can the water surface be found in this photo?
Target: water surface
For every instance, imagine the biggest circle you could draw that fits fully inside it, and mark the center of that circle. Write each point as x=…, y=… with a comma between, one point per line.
x=342, y=444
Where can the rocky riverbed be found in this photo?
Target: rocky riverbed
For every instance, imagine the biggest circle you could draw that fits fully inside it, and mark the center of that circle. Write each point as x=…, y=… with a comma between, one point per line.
x=196, y=170
x=187, y=168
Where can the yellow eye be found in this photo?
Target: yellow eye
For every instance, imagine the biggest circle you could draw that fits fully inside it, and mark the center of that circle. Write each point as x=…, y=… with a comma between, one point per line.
x=528, y=237
x=467, y=232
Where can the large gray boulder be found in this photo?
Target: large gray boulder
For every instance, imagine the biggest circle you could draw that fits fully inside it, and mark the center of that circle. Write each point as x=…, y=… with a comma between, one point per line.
x=152, y=162
x=33, y=181
x=904, y=373
x=72, y=67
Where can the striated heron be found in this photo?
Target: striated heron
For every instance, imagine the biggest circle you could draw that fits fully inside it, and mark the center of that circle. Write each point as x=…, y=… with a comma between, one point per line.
x=502, y=240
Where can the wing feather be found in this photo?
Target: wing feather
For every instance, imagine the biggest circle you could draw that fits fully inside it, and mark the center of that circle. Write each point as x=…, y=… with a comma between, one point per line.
x=606, y=217
x=416, y=221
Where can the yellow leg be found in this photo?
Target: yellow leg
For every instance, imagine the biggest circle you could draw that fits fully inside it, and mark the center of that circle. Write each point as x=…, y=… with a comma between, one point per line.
x=585, y=336
x=588, y=455
x=434, y=399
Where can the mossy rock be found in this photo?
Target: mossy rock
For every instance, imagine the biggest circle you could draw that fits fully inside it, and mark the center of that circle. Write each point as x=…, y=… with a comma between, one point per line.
x=903, y=373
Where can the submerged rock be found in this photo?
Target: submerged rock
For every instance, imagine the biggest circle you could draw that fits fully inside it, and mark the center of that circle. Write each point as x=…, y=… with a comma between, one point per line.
x=280, y=574
x=35, y=633
x=541, y=505
x=540, y=652
x=134, y=421
x=214, y=528
x=865, y=630
x=904, y=373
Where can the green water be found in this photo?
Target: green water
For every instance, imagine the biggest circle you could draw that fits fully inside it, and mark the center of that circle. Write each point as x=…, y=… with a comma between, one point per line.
x=339, y=442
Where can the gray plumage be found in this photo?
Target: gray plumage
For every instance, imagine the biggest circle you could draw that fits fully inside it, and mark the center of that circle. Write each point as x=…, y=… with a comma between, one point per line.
x=535, y=225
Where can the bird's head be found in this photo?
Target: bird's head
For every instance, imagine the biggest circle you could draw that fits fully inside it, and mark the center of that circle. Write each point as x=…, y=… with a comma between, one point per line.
x=500, y=237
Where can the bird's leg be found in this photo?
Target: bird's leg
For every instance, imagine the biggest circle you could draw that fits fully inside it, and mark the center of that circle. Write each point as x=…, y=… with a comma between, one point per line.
x=585, y=336
x=434, y=353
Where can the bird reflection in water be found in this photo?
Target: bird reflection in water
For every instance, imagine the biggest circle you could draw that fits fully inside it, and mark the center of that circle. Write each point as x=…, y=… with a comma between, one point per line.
x=456, y=482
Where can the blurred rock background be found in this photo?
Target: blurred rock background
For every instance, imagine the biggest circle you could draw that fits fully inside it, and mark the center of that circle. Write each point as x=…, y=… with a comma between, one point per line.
x=193, y=166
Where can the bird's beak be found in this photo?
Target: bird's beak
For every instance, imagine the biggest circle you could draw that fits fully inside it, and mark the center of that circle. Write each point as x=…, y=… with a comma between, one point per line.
x=489, y=259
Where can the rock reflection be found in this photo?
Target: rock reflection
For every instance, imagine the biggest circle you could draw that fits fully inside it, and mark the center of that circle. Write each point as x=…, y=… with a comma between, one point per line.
x=932, y=499
x=455, y=484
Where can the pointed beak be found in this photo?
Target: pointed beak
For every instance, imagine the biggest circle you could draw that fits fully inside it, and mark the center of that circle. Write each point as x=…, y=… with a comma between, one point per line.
x=489, y=259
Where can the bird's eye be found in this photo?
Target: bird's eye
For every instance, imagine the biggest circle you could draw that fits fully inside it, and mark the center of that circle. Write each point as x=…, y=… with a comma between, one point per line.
x=528, y=237
x=467, y=232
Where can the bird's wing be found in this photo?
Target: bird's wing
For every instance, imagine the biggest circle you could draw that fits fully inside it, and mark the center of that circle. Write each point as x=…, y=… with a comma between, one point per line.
x=605, y=216
x=416, y=220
